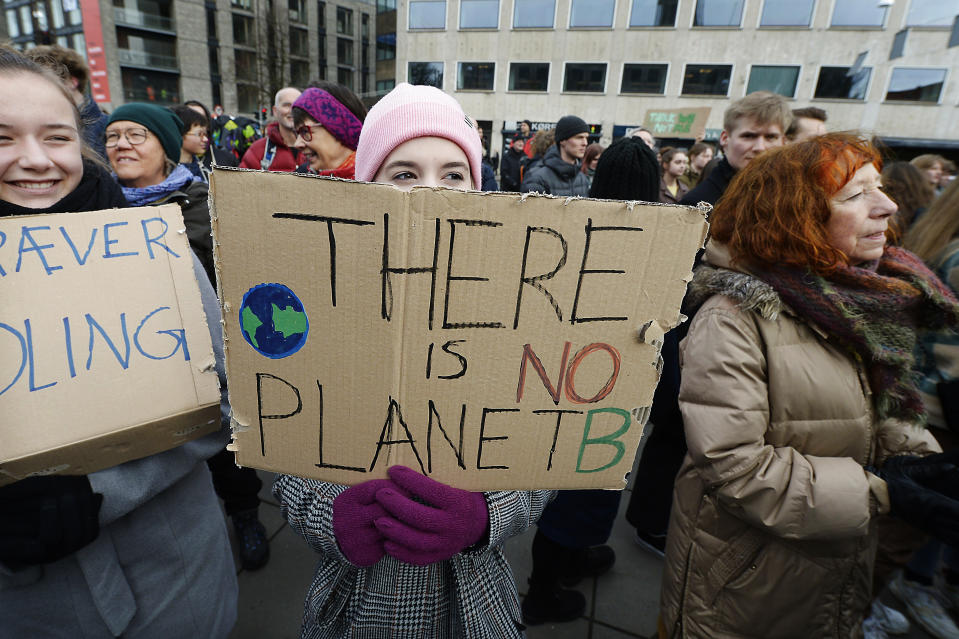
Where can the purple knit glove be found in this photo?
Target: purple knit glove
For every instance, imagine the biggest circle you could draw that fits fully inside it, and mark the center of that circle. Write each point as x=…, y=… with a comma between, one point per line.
x=450, y=520
x=354, y=511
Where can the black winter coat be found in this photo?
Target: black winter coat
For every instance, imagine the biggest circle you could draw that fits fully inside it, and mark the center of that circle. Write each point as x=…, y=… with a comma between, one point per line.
x=713, y=187
x=556, y=177
x=509, y=170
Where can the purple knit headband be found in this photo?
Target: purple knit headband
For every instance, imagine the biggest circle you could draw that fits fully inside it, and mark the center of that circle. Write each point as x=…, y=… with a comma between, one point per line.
x=335, y=118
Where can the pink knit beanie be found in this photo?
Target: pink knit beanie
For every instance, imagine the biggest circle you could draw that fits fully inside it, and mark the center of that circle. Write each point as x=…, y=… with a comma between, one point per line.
x=409, y=112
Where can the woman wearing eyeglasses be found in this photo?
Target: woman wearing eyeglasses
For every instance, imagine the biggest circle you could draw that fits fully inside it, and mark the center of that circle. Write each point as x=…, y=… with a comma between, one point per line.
x=326, y=133
x=143, y=144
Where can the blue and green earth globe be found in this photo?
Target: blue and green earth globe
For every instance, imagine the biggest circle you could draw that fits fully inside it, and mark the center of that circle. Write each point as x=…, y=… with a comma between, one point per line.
x=273, y=321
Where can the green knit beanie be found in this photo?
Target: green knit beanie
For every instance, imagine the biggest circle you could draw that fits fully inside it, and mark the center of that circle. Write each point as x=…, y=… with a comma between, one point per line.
x=163, y=123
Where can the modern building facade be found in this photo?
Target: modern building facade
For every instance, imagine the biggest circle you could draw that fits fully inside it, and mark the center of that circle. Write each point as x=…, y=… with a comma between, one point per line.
x=233, y=53
x=882, y=66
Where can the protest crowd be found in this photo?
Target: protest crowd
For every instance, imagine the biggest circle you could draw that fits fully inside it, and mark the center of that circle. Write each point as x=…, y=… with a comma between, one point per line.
x=804, y=446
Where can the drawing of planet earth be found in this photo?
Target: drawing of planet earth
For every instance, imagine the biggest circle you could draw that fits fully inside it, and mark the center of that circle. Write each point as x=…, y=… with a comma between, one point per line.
x=273, y=321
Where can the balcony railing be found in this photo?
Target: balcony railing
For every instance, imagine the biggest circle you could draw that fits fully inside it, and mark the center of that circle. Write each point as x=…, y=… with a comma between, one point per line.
x=146, y=59
x=134, y=18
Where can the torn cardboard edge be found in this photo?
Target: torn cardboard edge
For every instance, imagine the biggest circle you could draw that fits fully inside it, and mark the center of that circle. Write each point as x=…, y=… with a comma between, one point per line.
x=112, y=449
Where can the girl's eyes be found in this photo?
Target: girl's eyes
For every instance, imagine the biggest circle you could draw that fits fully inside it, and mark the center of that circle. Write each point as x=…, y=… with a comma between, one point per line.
x=404, y=175
x=454, y=176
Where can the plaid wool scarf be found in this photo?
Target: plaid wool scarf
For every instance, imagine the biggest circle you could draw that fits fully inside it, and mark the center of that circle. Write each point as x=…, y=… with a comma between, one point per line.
x=876, y=311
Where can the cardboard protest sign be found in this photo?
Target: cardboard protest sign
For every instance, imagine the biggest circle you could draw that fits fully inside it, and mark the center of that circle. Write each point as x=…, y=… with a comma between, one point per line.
x=105, y=355
x=684, y=123
x=491, y=341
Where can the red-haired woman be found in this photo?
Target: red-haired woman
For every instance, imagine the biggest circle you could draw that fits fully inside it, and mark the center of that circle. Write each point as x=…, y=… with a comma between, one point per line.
x=800, y=406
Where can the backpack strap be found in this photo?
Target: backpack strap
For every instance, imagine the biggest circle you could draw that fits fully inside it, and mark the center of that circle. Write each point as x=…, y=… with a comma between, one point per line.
x=269, y=152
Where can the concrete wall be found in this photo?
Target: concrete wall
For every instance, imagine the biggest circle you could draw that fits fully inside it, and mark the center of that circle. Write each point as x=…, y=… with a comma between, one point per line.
x=742, y=46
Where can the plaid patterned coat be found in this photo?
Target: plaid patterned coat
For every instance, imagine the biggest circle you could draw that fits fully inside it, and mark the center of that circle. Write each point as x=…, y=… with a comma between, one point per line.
x=472, y=595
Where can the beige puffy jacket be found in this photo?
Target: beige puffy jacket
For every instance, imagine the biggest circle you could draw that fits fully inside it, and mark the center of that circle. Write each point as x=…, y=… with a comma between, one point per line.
x=773, y=522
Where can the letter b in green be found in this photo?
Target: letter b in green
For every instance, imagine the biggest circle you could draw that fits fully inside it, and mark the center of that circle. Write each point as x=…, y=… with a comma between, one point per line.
x=609, y=440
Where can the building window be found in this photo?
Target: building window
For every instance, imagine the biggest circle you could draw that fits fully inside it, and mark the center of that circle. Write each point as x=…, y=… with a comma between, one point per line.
x=247, y=98
x=787, y=13
x=707, y=79
x=932, y=13
x=140, y=85
x=385, y=86
x=775, y=79
x=427, y=14
x=588, y=77
x=146, y=51
x=839, y=84
x=321, y=16
x=718, y=13
x=533, y=13
x=365, y=27
x=345, y=77
x=344, y=51
x=245, y=62
x=916, y=85
x=653, y=13
x=475, y=76
x=246, y=5
x=386, y=46
x=591, y=13
x=299, y=42
x=382, y=6
x=243, y=30
x=300, y=72
x=323, y=58
x=529, y=76
x=344, y=21
x=297, y=11
x=644, y=78
x=858, y=13
x=479, y=14
x=429, y=73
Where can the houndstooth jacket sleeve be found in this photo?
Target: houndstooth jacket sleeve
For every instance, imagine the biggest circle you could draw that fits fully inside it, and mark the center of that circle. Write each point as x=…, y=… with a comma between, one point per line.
x=472, y=594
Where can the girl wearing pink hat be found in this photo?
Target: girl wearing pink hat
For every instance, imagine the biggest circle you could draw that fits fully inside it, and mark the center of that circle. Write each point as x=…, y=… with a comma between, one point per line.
x=407, y=556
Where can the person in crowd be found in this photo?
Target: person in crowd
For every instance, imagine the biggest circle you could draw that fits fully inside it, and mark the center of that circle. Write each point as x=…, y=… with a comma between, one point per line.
x=931, y=166
x=138, y=550
x=275, y=150
x=196, y=139
x=559, y=172
x=935, y=239
x=750, y=126
x=537, y=146
x=213, y=154
x=74, y=72
x=590, y=158
x=509, y=175
x=646, y=136
x=327, y=133
x=909, y=189
x=489, y=173
x=700, y=154
x=570, y=541
x=674, y=163
x=526, y=133
x=796, y=450
x=409, y=556
x=143, y=143
x=807, y=122
x=948, y=175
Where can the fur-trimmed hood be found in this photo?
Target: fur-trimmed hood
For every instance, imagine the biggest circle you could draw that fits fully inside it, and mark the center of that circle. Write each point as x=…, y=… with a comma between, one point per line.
x=716, y=276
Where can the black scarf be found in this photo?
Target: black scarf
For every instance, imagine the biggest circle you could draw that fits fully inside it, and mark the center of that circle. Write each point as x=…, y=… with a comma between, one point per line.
x=97, y=190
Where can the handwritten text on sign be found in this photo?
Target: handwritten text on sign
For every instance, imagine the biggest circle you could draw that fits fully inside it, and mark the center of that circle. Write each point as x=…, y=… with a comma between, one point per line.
x=487, y=341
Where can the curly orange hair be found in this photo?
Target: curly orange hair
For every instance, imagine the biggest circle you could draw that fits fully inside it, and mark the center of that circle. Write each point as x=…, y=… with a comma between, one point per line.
x=775, y=211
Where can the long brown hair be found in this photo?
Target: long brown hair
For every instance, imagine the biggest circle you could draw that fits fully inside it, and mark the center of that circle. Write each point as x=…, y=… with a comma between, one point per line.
x=937, y=226
x=775, y=211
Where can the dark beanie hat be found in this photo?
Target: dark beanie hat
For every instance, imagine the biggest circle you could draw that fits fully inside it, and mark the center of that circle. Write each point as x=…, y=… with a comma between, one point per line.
x=161, y=122
x=627, y=170
x=568, y=126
